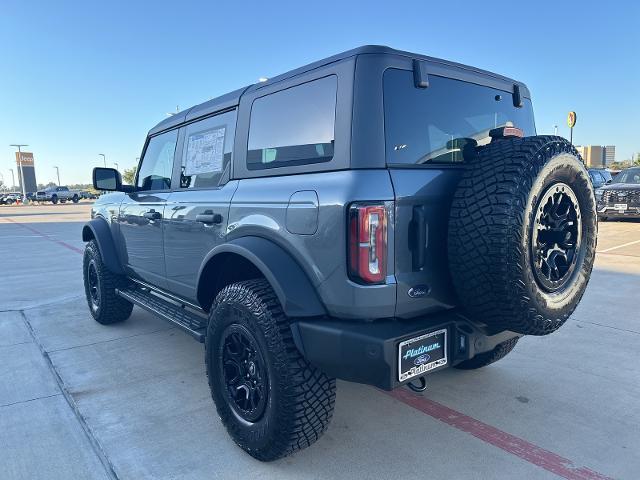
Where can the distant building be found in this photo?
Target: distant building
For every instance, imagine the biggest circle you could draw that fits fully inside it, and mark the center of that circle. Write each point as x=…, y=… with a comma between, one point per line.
x=610, y=154
x=597, y=156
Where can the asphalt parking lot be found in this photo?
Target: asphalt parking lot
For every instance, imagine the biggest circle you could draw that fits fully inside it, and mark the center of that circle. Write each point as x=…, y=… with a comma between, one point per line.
x=80, y=401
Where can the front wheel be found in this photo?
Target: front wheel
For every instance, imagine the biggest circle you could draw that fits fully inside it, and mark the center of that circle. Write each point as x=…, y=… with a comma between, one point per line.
x=100, y=285
x=270, y=399
x=54, y=199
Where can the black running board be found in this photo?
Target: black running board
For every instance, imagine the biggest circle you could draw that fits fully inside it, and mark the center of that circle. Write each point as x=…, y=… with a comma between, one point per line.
x=192, y=323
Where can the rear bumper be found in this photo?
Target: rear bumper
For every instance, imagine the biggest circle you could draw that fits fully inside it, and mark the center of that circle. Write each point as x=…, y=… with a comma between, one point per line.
x=367, y=352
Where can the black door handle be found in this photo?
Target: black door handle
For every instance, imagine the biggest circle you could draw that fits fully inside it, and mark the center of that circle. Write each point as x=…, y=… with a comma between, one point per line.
x=209, y=218
x=152, y=215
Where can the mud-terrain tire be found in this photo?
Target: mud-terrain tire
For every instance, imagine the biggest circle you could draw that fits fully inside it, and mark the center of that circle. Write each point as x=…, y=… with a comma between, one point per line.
x=288, y=403
x=100, y=285
x=522, y=234
x=487, y=358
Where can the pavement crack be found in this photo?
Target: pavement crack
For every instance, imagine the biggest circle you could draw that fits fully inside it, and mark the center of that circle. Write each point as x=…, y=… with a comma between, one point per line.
x=30, y=400
x=605, y=326
x=93, y=441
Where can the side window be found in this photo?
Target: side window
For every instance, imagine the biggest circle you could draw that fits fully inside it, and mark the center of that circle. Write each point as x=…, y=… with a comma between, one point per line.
x=157, y=163
x=293, y=126
x=207, y=151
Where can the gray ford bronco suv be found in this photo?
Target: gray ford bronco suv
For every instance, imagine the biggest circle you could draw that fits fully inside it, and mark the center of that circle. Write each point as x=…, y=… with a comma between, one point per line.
x=375, y=217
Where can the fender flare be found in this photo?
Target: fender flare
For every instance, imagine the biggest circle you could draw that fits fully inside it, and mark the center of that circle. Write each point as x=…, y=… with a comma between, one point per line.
x=99, y=229
x=290, y=283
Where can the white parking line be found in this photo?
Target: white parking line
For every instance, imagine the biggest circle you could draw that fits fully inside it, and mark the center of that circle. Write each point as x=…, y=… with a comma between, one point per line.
x=619, y=246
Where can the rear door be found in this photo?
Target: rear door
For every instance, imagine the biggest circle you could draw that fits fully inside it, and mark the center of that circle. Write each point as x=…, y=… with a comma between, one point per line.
x=429, y=132
x=141, y=215
x=197, y=212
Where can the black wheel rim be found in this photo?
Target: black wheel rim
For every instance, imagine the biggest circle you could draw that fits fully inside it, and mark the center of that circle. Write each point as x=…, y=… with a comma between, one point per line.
x=556, y=240
x=244, y=373
x=93, y=285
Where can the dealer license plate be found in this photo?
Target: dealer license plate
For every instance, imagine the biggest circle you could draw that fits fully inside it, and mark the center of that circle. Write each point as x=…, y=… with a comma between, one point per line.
x=422, y=354
x=621, y=207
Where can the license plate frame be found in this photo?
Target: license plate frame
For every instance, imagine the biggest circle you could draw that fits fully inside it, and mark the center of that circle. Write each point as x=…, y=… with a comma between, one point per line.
x=423, y=353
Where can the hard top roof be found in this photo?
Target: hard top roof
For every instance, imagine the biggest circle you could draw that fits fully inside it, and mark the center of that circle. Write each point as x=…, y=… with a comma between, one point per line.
x=233, y=98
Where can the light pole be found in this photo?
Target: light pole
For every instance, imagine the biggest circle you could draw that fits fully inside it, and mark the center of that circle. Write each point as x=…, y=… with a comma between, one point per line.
x=58, y=174
x=116, y=164
x=13, y=180
x=555, y=129
x=19, y=146
x=104, y=159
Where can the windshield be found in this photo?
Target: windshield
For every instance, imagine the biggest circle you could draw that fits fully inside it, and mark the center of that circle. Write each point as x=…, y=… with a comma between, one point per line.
x=438, y=123
x=629, y=176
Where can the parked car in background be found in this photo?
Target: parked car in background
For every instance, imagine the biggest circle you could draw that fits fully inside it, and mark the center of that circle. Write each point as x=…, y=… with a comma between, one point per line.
x=87, y=195
x=600, y=177
x=620, y=199
x=10, y=198
x=57, y=194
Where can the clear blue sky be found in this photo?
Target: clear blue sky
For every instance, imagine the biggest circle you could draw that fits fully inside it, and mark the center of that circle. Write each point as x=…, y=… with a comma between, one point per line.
x=83, y=78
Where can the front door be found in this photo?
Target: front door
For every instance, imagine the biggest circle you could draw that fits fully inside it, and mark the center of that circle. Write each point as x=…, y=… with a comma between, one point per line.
x=196, y=215
x=142, y=213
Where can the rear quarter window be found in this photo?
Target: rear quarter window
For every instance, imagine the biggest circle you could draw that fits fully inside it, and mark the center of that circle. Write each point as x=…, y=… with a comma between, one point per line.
x=429, y=125
x=295, y=126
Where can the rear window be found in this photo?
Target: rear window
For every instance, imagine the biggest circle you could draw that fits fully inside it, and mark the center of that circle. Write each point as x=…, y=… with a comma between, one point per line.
x=430, y=125
x=294, y=126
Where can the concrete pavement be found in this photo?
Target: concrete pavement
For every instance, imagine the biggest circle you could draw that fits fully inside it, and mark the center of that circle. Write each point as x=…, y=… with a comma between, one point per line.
x=81, y=400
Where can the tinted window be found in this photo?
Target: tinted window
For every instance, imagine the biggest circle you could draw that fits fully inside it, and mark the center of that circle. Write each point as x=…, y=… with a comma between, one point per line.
x=596, y=178
x=207, y=151
x=293, y=126
x=628, y=176
x=157, y=164
x=436, y=124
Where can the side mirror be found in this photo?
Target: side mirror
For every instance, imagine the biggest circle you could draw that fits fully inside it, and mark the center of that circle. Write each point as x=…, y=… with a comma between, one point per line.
x=109, y=179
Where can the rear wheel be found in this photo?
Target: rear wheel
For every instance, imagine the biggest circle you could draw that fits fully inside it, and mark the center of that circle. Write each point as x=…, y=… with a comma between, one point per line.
x=522, y=234
x=270, y=399
x=75, y=199
x=100, y=285
x=54, y=199
x=487, y=358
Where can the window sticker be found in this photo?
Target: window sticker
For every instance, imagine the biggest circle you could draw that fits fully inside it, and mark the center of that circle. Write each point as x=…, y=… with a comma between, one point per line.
x=205, y=152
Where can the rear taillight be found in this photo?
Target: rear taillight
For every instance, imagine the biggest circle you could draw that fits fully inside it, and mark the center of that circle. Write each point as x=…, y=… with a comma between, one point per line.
x=367, y=243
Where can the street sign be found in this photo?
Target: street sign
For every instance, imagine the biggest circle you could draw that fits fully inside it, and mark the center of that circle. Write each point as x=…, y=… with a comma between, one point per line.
x=571, y=121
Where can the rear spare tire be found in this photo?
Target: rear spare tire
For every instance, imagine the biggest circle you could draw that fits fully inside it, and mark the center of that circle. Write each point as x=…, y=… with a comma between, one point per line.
x=522, y=234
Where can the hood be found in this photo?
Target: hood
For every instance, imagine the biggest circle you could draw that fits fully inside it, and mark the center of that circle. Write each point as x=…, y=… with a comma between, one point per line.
x=621, y=186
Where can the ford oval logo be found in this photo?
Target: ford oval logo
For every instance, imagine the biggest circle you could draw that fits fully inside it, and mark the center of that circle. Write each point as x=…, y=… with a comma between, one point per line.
x=418, y=291
x=421, y=360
